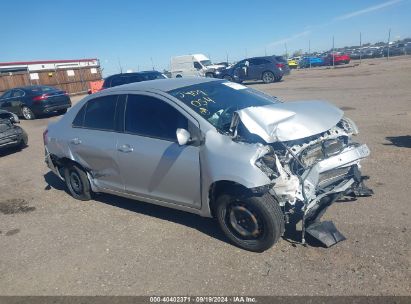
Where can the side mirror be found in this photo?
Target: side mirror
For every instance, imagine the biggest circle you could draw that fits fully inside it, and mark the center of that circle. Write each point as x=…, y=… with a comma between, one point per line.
x=183, y=136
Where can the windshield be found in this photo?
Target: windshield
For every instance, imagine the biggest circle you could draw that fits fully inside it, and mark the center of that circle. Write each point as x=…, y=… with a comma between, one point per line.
x=206, y=62
x=217, y=101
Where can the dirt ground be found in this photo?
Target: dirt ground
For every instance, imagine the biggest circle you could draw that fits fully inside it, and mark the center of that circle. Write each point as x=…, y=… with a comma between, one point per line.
x=52, y=244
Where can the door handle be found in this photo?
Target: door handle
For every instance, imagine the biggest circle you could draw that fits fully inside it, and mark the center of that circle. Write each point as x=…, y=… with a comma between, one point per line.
x=125, y=148
x=76, y=141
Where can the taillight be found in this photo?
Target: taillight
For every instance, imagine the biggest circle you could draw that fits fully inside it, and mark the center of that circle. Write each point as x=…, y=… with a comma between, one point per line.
x=280, y=65
x=45, y=137
x=65, y=93
x=41, y=97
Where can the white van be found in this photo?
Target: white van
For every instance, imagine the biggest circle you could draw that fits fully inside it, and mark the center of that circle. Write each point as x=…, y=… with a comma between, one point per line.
x=192, y=65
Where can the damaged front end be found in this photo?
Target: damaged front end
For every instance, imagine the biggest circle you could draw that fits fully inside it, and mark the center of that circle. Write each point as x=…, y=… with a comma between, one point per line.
x=308, y=174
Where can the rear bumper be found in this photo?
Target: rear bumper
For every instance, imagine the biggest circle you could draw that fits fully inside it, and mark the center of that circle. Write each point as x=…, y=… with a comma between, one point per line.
x=50, y=108
x=50, y=163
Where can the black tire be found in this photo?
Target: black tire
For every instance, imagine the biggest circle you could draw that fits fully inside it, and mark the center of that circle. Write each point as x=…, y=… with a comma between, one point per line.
x=179, y=76
x=268, y=77
x=77, y=182
x=268, y=220
x=209, y=75
x=62, y=112
x=27, y=113
x=228, y=77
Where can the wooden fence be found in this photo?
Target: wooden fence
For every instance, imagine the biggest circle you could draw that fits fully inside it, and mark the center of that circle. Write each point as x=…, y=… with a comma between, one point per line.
x=71, y=80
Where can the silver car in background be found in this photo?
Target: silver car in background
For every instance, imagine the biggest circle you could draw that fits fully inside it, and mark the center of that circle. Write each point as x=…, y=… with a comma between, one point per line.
x=213, y=148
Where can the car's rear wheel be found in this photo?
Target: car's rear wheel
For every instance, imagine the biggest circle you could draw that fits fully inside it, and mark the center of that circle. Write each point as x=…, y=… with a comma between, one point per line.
x=253, y=223
x=179, y=76
x=268, y=77
x=61, y=112
x=228, y=77
x=27, y=113
x=77, y=182
x=209, y=75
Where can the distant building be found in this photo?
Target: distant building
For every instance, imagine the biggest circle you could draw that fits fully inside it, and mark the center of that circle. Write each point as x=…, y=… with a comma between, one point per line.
x=72, y=76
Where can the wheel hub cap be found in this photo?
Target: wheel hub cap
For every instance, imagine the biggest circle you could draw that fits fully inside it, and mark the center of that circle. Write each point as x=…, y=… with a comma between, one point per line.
x=75, y=182
x=244, y=221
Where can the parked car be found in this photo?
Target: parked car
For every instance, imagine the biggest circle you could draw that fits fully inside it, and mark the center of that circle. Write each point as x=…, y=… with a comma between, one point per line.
x=267, y=69
x=11, y=135
x=339, y=58
x=193, y=65
x=310, y=61
x=213, y=148
x=31, y=101
x=292, y=63
x=120, y=79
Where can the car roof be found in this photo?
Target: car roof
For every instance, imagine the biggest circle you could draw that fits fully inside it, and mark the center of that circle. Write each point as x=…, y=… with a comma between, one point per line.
x=133, y=73
x=164, y=85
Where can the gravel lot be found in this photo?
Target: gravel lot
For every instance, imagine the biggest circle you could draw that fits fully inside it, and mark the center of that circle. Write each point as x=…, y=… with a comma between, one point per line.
x=51, y=244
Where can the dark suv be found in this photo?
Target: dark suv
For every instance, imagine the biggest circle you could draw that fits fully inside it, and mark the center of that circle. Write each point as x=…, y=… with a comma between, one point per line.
x=268, y=69
x=119, y=79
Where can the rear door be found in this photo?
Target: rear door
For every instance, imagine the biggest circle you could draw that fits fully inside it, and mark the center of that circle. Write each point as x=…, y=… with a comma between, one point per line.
x=94, y=137
x=152, y=163
x=256, y=68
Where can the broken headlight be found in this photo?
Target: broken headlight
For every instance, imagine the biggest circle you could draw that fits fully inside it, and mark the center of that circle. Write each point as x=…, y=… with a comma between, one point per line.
x=311, y=155
x=320, y=151
x=348, y=126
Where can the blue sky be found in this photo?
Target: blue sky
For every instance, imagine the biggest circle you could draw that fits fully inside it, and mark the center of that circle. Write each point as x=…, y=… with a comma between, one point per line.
x=139, y=33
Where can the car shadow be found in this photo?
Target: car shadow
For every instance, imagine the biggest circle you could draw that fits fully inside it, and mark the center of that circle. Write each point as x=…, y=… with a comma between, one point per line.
x=399, y=141
x=207, y=226
x=11, y=150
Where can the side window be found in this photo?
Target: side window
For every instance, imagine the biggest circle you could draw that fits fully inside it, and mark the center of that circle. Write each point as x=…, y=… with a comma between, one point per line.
x=116, y=81
x=152, y=117
x=197, y=65
x=135, y=78
x=100, y=112
x=79, y=120
x=7, y=94
x=18, y=93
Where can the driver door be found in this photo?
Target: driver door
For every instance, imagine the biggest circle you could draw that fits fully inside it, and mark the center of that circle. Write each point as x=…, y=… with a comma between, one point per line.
x=240, y=71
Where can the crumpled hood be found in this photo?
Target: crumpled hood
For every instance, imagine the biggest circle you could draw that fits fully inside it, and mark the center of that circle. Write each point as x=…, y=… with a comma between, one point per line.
x=289, y=121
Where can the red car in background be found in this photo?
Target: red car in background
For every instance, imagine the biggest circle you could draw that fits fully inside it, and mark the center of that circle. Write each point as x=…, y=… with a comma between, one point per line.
x=339, y=58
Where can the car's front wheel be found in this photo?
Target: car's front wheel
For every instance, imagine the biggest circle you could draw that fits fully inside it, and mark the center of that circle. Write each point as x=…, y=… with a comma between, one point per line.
x=254, y=223
x=77, y=182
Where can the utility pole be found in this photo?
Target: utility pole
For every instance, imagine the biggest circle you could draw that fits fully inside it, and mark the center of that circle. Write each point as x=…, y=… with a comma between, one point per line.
x=226, y=55
x=152, y=64
x=333, y=54
x=265, y=51
x=119, y=64
x=286, y=50
x=360, y=48
x=388, y=44
x=309, y=52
